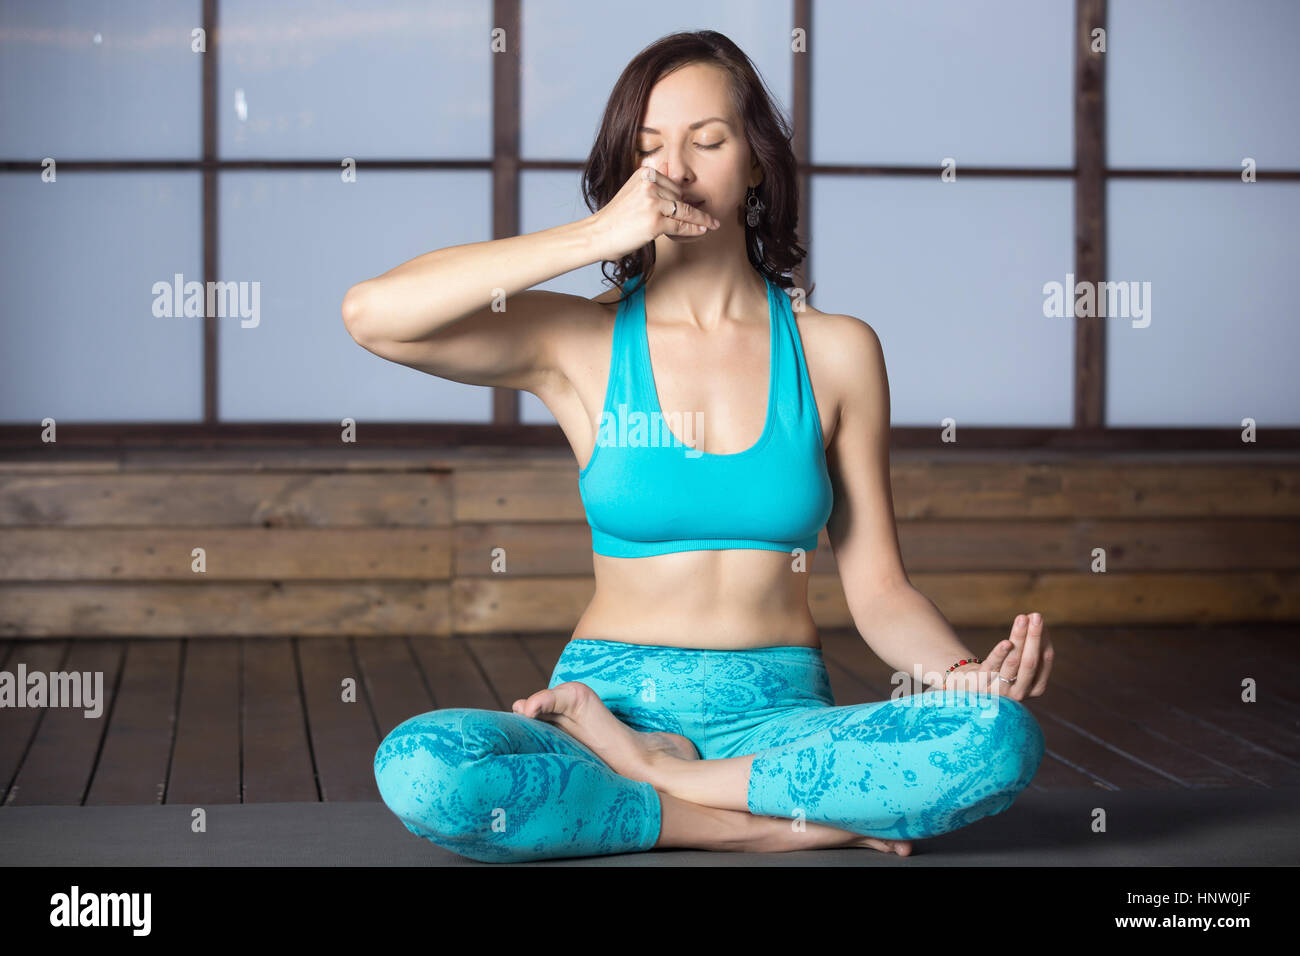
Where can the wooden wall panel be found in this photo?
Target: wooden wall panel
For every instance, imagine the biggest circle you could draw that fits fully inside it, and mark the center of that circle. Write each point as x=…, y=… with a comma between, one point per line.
x=388, y=542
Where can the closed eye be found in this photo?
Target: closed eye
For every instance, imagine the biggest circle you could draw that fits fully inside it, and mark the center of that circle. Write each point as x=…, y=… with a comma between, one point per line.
x=647, y=152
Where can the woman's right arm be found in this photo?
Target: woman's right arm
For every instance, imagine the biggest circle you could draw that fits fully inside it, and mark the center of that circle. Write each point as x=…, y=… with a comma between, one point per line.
x=434, y=312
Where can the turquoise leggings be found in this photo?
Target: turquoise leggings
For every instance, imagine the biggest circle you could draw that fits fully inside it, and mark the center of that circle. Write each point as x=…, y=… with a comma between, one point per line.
x=496, y=786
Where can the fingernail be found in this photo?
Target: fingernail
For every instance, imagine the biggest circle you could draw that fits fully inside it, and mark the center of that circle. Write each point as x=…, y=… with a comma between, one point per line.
x=716, y=224
x=1036, y=618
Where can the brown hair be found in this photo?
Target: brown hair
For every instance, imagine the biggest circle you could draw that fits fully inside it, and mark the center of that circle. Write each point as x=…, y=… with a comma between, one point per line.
x=772, y=246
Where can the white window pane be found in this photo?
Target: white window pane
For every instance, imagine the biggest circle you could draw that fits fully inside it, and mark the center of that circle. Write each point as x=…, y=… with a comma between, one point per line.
x=99, y=80
x=79, y=258
x=896, y=81
x=553, y=198
x=573, y=54
x=1222, y=337
x=307, y=237
x=1202, y=83
x=390, y=78
x=950, y=276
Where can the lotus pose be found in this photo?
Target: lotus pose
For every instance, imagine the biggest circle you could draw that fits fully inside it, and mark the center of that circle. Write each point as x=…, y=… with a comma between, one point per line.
x=719, y=423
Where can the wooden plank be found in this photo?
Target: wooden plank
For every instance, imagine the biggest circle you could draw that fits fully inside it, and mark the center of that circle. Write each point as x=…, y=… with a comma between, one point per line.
x=1110, y=679
x=18, y=725
x=930, y=487
x=1071, y=744
x=1202, y=684
x=132, y=767
x=508, y=667
x=511, y=494
x=194, y=499
x=531, y=604
x=57, y=768
x=494, y=605
x=453, y=673
x=560, y=548
x=1175, y=597
x=563, y=548
x=545, y=650
x=1158, y=544
x=276, y=758
x=344, y=735
x=394, y=684
x=205, y=766
x=225, y=610
x=859, y=676
x=230, y=554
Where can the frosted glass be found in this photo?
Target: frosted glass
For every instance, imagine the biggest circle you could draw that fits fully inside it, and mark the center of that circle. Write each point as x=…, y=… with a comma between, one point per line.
x=390, y=78
x=79, y=258
x=987, y=83
x=307, y=237
x=951, y=276
x=553, y=198
x=99, y=80
x=1202, y=83
x=1222, y=339
x=574, y=52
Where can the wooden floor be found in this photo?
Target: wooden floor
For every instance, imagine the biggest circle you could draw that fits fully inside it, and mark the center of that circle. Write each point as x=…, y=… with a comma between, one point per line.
x=263, y=719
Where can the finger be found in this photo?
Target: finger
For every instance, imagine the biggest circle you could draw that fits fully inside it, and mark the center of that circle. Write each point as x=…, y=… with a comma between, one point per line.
x=1040, y=684
x=1010, y=658
x=1030, y=659
x=688, y=213
x=688, y=221
x=1018, y=631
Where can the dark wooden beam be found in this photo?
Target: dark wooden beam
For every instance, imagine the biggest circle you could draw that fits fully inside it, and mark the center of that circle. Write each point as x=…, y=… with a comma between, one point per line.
x=801, y=120
x=443, y=435
x=209, y=225
x=505, y=159
x=1089, y=211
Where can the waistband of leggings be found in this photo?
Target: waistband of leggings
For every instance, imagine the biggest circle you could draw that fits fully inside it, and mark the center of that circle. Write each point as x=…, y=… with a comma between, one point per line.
x=773, y=650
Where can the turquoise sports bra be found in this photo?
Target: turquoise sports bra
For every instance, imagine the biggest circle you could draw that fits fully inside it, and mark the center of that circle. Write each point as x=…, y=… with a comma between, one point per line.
x=646, y=492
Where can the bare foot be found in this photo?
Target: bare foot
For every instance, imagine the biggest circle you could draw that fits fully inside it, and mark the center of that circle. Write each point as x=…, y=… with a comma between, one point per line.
x=577, y=710
x=777, y=835
x=901, y=847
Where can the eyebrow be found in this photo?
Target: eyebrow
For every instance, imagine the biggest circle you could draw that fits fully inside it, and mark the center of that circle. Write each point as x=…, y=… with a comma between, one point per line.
x=696, y=125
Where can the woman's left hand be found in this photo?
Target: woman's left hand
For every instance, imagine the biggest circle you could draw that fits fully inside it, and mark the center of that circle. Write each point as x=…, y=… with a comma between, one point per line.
x=1025, y=660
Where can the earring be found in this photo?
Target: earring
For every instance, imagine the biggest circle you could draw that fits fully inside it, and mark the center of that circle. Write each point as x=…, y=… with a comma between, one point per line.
x=754, y=208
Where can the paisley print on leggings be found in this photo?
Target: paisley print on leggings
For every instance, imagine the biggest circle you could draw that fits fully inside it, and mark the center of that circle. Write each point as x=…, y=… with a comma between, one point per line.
x=497, y=787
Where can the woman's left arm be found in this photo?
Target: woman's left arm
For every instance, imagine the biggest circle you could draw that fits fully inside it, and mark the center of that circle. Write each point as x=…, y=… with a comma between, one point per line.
x=899, y=623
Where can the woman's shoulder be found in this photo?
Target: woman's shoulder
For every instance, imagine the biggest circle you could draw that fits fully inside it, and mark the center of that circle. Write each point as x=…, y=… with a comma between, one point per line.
x=842, y=340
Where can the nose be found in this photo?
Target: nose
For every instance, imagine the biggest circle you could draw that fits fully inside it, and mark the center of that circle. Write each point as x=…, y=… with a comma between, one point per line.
x=666, y=162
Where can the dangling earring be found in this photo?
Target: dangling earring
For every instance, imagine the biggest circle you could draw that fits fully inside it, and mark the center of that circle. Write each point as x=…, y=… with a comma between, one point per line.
x=754, y=208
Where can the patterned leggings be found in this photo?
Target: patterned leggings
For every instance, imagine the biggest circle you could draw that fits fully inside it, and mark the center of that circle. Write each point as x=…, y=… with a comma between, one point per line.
x=495, y=786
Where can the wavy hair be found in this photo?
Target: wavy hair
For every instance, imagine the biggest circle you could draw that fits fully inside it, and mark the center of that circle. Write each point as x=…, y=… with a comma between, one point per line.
x=772, y=247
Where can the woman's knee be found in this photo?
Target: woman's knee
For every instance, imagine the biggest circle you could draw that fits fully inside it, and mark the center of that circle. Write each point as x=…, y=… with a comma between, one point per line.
x=1018, y=744
x=424, y=768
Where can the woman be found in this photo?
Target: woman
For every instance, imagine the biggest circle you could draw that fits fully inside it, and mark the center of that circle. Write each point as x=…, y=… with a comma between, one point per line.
x=692, y=706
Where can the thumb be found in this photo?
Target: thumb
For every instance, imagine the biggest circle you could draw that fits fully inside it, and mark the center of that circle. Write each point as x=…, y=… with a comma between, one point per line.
x=997, y=657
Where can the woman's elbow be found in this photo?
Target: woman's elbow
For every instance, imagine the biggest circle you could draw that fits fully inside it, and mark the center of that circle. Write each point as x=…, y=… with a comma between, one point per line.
x=354, y=310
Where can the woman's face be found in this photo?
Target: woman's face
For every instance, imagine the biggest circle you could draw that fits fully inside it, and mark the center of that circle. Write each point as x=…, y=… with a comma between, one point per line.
x=691, y=135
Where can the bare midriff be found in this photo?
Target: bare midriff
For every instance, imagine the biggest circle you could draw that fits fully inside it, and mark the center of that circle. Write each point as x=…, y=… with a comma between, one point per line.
x=719, y=600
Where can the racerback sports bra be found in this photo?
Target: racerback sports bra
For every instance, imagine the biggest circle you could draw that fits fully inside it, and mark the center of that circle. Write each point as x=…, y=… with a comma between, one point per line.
x=646, y=492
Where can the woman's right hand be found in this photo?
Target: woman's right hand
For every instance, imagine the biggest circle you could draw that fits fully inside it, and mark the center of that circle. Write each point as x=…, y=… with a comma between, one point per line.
x=642, y=210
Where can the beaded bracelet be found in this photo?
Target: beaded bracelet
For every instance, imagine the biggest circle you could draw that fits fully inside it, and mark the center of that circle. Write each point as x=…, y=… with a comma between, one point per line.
x=969, y=660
